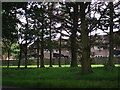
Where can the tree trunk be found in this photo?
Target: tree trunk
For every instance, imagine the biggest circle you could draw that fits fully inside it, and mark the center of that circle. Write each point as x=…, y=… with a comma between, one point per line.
x=26, y=43
x=85, y=42
x=38, y=57
x=8, y=58
x=26, y=38
x=73, y=37
x=42, y=47
x=50, y=45
x=111, y=37
x=20, y=56
x=60, y=51
x=50, y=58
x=26, y=54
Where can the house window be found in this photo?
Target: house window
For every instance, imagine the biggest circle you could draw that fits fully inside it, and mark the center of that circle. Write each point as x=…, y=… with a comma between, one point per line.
x=92, y=53
x=56, y=50
x=46, y=51
x=67, y=51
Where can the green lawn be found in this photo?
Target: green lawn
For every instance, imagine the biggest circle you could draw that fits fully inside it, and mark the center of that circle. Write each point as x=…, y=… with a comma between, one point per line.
x=35, y=66
x=63, y=77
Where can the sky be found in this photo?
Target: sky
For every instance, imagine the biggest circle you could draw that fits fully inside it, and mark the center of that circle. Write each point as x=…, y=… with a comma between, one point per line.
x=98, y=31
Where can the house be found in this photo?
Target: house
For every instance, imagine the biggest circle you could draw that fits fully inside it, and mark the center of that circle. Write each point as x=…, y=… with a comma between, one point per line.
x=96, y=50
x=32, y=50
x=102, y=49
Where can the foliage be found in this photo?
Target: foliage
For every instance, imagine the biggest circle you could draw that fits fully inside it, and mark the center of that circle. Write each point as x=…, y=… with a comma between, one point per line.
x=15, y=51
x=9, y=31
x=26, y=22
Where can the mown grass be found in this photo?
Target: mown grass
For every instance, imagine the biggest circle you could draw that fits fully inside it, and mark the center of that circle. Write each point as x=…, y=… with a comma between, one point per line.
x=63, y=77
x=35, y=66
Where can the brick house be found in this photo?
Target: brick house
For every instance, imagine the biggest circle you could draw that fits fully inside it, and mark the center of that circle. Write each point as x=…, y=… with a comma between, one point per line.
x=103, y=49
x=97, y=50
x=32, y=51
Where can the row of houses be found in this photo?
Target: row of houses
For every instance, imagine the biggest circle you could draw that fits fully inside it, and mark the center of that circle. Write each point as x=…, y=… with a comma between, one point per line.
x=96, y=50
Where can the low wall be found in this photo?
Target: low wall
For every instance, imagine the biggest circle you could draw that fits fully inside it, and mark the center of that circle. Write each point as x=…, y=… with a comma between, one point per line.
x=104, y=60
x=64, y=61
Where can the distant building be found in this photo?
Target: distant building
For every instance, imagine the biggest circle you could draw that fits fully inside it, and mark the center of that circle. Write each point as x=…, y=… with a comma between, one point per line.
x=96, y=50
x=32, y=51
x=102, y=50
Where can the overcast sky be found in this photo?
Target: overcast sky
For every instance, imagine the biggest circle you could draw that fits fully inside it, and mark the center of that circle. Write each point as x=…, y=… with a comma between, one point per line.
x=98, y=31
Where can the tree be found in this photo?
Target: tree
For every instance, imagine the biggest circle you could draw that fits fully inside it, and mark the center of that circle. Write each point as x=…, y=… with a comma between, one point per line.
x=39, y=17
x=60, y=49
x=85, y=42
x=70, y=17
x=9, y=31
x=69, y=21
x=38, y=51
x=20, y=55
x=111, y=37
x=26, y=37
x=15, y=50
x=74, y=18
x=50, y=7
x=25, y=31
x=109, y=21
x=42, y=46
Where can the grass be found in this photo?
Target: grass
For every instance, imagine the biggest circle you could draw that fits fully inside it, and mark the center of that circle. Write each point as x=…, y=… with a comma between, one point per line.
x=63, y=77
x=35, y=66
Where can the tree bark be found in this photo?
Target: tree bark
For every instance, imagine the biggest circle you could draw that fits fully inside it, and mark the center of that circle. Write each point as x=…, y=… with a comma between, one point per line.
x=26, y=38
x=26, y=44
x=38, y=57
x=50, y=58
x=50, y=45
x=8, y=58
x=111, y=37
x=20, y=56
x=60, y=51
x=26, y=54
x=42, y=47
x=85, y=42
x=73, y=37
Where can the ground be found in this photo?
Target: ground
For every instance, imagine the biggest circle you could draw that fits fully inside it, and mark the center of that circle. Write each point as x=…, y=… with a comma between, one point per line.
x=63, y=77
